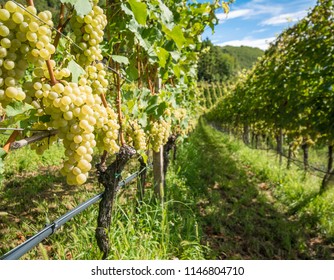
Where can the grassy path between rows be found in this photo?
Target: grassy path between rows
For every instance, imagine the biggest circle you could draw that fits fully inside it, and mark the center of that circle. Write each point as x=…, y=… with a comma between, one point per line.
x=244, y=199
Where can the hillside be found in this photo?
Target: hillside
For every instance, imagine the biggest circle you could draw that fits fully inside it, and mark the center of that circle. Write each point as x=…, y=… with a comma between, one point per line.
x=221, y=63
x=245, y=56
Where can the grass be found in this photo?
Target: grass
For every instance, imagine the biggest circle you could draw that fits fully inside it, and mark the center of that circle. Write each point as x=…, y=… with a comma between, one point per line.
x=33, y=194
x=250, y=207
x=223, y=201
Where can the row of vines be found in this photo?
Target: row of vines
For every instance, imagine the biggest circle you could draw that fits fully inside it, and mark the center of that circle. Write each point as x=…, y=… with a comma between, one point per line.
x=111, y=79
x=289, y=93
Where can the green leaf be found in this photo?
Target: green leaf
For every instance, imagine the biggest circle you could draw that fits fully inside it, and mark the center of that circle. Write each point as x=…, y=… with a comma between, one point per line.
x=144, y=156
x=163, y=56
x=139, y=10
x=132, y=72
x=152, y=109
x=166, y=15
x=135, y=29
x=2, y=152
x=83, y=7
x=152, y=105
x=120, y=59
x=143, y=120
x=161, y=108
x=17, y=108
x=177, y=71
x=72, y=2
x=176, y=35
x=76, y=70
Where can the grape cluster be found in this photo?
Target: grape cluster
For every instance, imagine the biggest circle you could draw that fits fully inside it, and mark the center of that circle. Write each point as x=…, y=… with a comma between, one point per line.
x=95, y=76
x=136, y=136
x=159, y=133
x=75, y=109
x=24, y=38
x=77, y=113
x=88, y=31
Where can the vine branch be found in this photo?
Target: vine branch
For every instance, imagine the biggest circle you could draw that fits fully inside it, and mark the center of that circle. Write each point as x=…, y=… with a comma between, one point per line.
x=119, y=105
x=61, y=25
x=37, y=137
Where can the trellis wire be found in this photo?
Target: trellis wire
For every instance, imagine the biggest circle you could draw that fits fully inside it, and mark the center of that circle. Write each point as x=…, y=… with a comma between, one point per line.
x=50, y=229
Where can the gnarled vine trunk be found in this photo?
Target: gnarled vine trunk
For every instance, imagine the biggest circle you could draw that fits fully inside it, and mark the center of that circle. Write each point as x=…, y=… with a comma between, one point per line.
x=110, y=177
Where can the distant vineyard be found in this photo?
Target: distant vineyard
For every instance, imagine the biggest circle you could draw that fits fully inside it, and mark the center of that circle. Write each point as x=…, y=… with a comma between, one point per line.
x=289, y=93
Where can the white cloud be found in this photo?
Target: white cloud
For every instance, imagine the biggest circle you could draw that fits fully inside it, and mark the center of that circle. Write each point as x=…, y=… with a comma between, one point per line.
x=250, y=10
x=258, y=43
x=260, y=30
x=284, y=18
x=239, y=13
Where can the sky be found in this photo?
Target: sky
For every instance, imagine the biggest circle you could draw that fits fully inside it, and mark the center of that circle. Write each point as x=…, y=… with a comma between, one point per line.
x=256, y=23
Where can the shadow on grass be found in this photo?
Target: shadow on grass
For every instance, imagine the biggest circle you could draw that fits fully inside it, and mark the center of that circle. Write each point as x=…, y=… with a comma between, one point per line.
x=33, y=199
x=238, y=220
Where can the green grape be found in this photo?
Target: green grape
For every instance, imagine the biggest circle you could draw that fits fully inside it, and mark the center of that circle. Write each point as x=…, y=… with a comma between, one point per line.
x=4, y=15
x=159, y=134
x=80, y=179
x=11, y=92
x=6, y=43
x=92, y=25
x=9, y=64
x=33, y=26
x=4, y=31
x=136, y=136
x=11, y=7
x=3, y=52
x=18, y=17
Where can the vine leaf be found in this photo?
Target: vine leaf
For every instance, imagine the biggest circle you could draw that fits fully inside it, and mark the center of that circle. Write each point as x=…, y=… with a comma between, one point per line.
x=76, y=70
x=139, y=10
x=120, y=59
x=163, y=56
x=176, y=34
x=17, y=108
x=83, y=7
x=166, y=15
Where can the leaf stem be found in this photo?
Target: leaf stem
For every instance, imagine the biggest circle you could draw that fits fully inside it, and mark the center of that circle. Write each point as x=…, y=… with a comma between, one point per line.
x=119, y=105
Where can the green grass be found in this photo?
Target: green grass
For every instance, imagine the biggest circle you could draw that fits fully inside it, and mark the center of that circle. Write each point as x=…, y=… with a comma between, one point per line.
x=34, y=194
x=250, y=207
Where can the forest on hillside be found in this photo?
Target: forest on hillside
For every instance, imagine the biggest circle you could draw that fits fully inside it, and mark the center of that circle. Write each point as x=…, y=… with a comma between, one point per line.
x=217, y=64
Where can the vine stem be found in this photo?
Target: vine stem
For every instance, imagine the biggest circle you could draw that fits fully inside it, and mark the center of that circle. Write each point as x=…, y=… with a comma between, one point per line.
x=61, y=25
x=139, y=66
x=119, y=106
x=104, y=100
x=51, y=73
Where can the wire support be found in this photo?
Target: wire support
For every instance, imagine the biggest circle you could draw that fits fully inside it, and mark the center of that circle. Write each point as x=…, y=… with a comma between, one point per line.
x=50, y=229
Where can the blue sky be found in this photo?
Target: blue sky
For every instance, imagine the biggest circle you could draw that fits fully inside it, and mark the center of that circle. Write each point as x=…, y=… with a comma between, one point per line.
x=256, y=23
